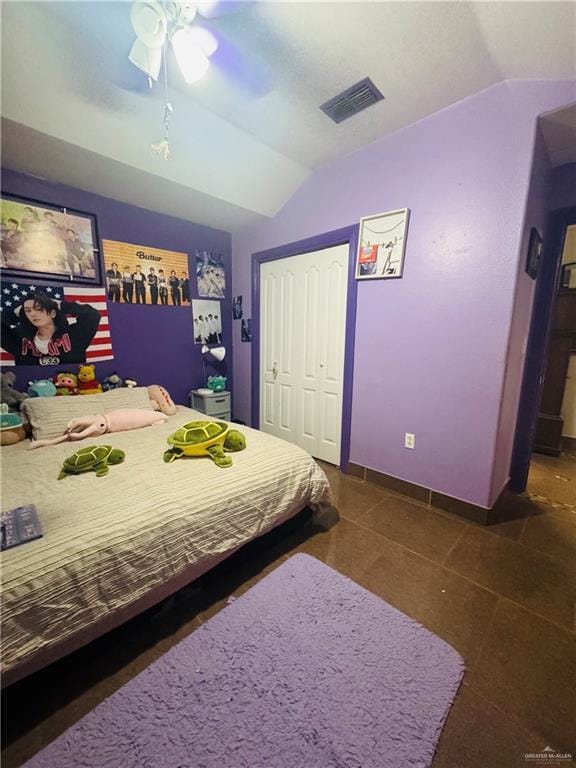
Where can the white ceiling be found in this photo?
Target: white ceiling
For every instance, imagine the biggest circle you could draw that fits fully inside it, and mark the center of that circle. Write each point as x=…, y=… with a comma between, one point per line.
x=248, y=135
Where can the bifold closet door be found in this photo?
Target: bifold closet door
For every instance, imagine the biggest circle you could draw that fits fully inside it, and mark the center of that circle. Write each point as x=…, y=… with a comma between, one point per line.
x=302, y=322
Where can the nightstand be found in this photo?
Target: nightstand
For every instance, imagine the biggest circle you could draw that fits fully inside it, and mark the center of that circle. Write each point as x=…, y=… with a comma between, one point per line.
x=216, y=404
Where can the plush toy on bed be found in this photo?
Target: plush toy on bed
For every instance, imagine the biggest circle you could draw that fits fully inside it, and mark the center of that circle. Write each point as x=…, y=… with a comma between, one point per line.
x=87, y=382
x=65, y=383
x=94, y=458
x=11, y=427
x=161, y=400
x=114, y=381
x=8, y=394
x=205, y=438
x=41, y=388
x=113, y=421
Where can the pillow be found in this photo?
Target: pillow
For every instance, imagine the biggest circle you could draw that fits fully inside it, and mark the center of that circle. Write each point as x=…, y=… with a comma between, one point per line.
x=48, y=416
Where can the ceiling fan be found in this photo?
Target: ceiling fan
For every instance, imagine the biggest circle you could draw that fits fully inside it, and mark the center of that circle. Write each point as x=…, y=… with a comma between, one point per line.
x=158, y=24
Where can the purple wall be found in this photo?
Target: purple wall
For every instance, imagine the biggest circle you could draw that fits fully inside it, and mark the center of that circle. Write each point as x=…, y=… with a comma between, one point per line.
x=431, y=348
x=563, y=186
x=535, y=215
x=151, y=344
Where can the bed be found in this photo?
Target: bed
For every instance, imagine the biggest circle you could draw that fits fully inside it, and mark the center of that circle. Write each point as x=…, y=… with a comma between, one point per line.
x=115, y=545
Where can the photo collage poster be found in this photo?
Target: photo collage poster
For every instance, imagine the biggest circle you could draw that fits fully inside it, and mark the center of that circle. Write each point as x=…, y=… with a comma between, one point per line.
x=41, y=240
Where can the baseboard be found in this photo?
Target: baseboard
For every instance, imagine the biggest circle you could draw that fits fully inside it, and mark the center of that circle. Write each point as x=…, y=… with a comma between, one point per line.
x=569, y=444
x=468, y=511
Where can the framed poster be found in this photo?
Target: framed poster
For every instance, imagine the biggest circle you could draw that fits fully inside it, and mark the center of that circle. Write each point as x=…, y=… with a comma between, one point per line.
x=381, y=245
x=39, y=241
x=210, y=275
x=207, y=322
x=138, y=274
x=534, y=253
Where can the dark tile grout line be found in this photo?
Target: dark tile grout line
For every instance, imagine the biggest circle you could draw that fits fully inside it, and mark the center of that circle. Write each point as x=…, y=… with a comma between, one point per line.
x=466, y=578
x=454, y=517
x=508, y=715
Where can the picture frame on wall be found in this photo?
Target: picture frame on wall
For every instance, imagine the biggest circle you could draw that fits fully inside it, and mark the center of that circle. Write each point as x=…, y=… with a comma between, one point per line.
x=382, y=245
x=534, y=254
x=44, y=242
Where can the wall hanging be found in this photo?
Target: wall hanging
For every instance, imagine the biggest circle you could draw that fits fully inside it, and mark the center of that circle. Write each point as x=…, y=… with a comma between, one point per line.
x=53, y=325
x=246, y=330
x=210, y=275
x=207, y=319
x=237, y=307
x=47, y=242
x=381, y=245
x=534, y=253
x=137, y=274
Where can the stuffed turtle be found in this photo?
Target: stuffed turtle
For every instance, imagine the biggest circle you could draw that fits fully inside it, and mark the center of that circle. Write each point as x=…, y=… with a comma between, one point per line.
x=92, y=458
x=205, y=438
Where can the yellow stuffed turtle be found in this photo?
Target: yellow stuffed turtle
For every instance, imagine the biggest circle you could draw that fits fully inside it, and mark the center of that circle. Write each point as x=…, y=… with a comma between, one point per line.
x=205, y=438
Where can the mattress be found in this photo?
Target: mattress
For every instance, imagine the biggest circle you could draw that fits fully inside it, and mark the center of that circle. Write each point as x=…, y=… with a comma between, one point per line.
x=110, y=541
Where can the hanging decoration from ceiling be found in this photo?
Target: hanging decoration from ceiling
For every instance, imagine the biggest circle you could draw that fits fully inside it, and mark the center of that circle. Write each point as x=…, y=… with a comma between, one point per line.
x=157, y=25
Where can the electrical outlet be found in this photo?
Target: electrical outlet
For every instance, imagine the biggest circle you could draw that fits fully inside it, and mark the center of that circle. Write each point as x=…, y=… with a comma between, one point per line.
x=409, y=440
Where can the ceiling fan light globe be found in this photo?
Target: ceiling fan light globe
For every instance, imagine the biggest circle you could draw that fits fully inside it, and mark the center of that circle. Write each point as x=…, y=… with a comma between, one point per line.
x=204, y=39
x=191, y=59
x=188, y=12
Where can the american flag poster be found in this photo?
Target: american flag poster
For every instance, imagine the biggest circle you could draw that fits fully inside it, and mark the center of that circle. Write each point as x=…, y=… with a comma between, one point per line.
x=53, y=325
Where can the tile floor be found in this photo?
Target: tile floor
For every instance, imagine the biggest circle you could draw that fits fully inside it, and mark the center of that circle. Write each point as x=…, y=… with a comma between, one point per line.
x=503, y=596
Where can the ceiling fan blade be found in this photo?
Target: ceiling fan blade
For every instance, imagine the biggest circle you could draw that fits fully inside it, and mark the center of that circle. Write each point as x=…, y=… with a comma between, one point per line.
x=148, y=60
x=149, y=22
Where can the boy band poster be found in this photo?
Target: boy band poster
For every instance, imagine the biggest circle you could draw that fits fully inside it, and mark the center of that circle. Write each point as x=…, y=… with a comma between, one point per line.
x=138, y=274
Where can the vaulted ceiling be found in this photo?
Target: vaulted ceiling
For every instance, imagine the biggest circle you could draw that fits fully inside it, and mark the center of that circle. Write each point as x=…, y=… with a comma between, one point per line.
x=75, y=110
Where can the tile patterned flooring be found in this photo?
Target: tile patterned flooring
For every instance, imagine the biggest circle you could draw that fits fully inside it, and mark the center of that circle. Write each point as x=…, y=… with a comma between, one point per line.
x=503, y=596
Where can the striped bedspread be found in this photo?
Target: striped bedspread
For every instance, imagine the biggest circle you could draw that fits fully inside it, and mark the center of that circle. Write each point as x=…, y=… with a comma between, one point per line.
x=108, y=541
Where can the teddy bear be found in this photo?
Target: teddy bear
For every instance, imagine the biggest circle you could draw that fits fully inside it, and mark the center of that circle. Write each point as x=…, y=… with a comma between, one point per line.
x=8, y=394
x=66, y=383
x=87, y=382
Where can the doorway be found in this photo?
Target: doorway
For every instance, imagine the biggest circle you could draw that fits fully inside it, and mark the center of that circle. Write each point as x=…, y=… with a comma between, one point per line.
x=552, y=331
x=303, y=319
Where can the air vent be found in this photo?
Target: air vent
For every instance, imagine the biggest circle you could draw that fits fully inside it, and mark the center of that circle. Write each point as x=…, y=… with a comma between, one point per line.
x=351, y=101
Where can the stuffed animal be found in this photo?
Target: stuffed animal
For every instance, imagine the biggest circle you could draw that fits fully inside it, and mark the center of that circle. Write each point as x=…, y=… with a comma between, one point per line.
x=217, y=383
x=112, y=382
x=161, y=400
x=113, y=421
x=8, y=394
x=11, y=427
x=87, y=382
x=130, y=383
x=65, y=383
x=41, y=388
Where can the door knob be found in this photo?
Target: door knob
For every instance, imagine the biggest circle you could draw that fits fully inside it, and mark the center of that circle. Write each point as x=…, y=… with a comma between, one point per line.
x=275, y=370
x=321, y=365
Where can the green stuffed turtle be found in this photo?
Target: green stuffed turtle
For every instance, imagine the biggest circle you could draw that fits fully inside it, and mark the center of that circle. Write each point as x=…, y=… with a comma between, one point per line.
x=92, y=458
x=205, y=438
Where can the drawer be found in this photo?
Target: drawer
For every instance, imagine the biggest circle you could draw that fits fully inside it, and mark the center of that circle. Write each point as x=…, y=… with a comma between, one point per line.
x=214, y=404
x=225, y=416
